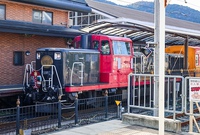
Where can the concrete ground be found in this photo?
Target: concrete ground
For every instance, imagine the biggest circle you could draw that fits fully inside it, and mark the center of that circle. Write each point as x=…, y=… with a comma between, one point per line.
x=112, y=127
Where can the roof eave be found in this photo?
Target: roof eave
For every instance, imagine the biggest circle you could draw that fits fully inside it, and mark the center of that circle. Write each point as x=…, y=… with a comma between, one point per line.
x=37, y=29
x=69, y=5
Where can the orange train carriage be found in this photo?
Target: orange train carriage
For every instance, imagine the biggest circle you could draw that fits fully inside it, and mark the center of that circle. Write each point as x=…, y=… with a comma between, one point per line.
x=176, y=65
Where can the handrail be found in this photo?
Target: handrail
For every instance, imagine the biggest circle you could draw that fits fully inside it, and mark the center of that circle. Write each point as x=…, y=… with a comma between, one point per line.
x=28, y=70
x=79, y=63
x=50, y=80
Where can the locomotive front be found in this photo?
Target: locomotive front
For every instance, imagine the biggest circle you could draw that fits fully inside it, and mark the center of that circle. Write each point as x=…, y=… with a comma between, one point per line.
x=57, y=68
x=45, y=82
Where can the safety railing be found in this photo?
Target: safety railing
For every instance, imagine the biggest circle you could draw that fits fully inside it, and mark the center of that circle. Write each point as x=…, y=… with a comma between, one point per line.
x=143, y=93
x=46, y=117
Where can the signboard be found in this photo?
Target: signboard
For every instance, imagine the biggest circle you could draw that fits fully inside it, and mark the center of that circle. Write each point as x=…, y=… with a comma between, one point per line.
x=194, y=87
x=117, y=102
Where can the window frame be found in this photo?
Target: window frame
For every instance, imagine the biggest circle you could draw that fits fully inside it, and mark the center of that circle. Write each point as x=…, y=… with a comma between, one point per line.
x=20, y=56
x=105, y=47
x=121, y=47
x=95, y=44
x=4, y=16
x=40, y=20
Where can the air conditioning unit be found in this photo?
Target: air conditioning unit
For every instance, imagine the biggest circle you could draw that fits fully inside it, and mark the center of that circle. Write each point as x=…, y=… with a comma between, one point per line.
x=70, y=22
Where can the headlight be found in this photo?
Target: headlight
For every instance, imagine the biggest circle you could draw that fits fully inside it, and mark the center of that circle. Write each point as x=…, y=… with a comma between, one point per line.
x=57, y=56
x=38, y=55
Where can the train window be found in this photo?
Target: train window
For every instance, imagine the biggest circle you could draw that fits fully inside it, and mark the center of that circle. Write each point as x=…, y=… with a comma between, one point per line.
x=95, y=44
x=128, y=47
x=94, y=57
x=18, y=58
x=88, y=57
x=57, y=55
x=2, y=12
x=121, y=48
x=38, y=55
x=76, y=57
x=77, y=44
x=105, y=48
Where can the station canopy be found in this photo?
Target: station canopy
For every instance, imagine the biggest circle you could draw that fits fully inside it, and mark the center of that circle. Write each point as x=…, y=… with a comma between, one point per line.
x=143, y=32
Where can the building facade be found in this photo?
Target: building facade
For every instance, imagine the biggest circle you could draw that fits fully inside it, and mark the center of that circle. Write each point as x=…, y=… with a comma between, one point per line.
x=26, y=26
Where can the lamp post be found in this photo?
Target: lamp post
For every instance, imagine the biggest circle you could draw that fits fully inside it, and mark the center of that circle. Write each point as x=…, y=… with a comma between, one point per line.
x=159, y=39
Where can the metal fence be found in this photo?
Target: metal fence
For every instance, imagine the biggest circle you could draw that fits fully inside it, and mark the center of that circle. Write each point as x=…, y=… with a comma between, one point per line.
x=143, y=94
x=47, y=117
x=182, y=96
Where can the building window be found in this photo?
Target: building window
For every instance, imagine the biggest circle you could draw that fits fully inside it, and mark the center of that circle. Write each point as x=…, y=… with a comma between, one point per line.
x=42, y=17
x=18, y=58
x=84, y=19
x=2, y=12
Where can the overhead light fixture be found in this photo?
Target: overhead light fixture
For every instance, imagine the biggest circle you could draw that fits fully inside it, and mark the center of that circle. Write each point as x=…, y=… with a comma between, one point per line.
x=146, y=51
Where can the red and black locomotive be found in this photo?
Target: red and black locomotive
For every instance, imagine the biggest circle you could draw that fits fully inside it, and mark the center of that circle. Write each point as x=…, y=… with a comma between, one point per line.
x=97, y=63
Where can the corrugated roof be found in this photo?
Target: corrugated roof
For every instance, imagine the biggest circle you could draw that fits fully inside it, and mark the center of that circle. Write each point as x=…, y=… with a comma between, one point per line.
x=139, y=26
x=141, y=33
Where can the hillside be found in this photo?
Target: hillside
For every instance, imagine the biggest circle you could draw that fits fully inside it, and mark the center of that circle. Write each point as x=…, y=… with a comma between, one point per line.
x=172, y=10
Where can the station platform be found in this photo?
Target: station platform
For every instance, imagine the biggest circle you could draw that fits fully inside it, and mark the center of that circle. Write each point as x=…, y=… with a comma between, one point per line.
x=112, y=127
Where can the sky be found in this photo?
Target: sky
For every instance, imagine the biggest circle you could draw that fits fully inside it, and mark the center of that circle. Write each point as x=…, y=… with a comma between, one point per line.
x=195, y=4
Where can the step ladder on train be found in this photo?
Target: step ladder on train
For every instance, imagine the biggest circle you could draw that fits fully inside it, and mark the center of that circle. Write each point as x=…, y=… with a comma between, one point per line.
x=46, y=81
x=29, y=68
x=49, y=81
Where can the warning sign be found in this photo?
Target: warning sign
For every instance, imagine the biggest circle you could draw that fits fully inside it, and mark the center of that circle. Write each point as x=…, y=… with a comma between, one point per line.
x=194, y=85
x=117, y=102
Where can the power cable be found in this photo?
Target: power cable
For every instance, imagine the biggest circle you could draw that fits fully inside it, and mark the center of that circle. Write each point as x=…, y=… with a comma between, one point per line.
x=190, y=4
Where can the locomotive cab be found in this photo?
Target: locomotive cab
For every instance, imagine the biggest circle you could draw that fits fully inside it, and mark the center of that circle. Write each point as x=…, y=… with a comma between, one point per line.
x=115, y=56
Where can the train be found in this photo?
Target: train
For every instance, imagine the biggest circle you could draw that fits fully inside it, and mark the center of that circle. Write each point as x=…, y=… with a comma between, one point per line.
x=177, y=64
x=174, y=60
x=97, y=64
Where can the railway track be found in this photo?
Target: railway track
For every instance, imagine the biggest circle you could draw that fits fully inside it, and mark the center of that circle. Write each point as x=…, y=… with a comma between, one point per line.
x=184, y=118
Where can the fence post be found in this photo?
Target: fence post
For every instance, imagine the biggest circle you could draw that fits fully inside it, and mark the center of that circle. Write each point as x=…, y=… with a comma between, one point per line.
x=106, y=104
x=17, y=118
x=120, y=110
x=76, y=109
x=132, y=82
x=59, y=111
